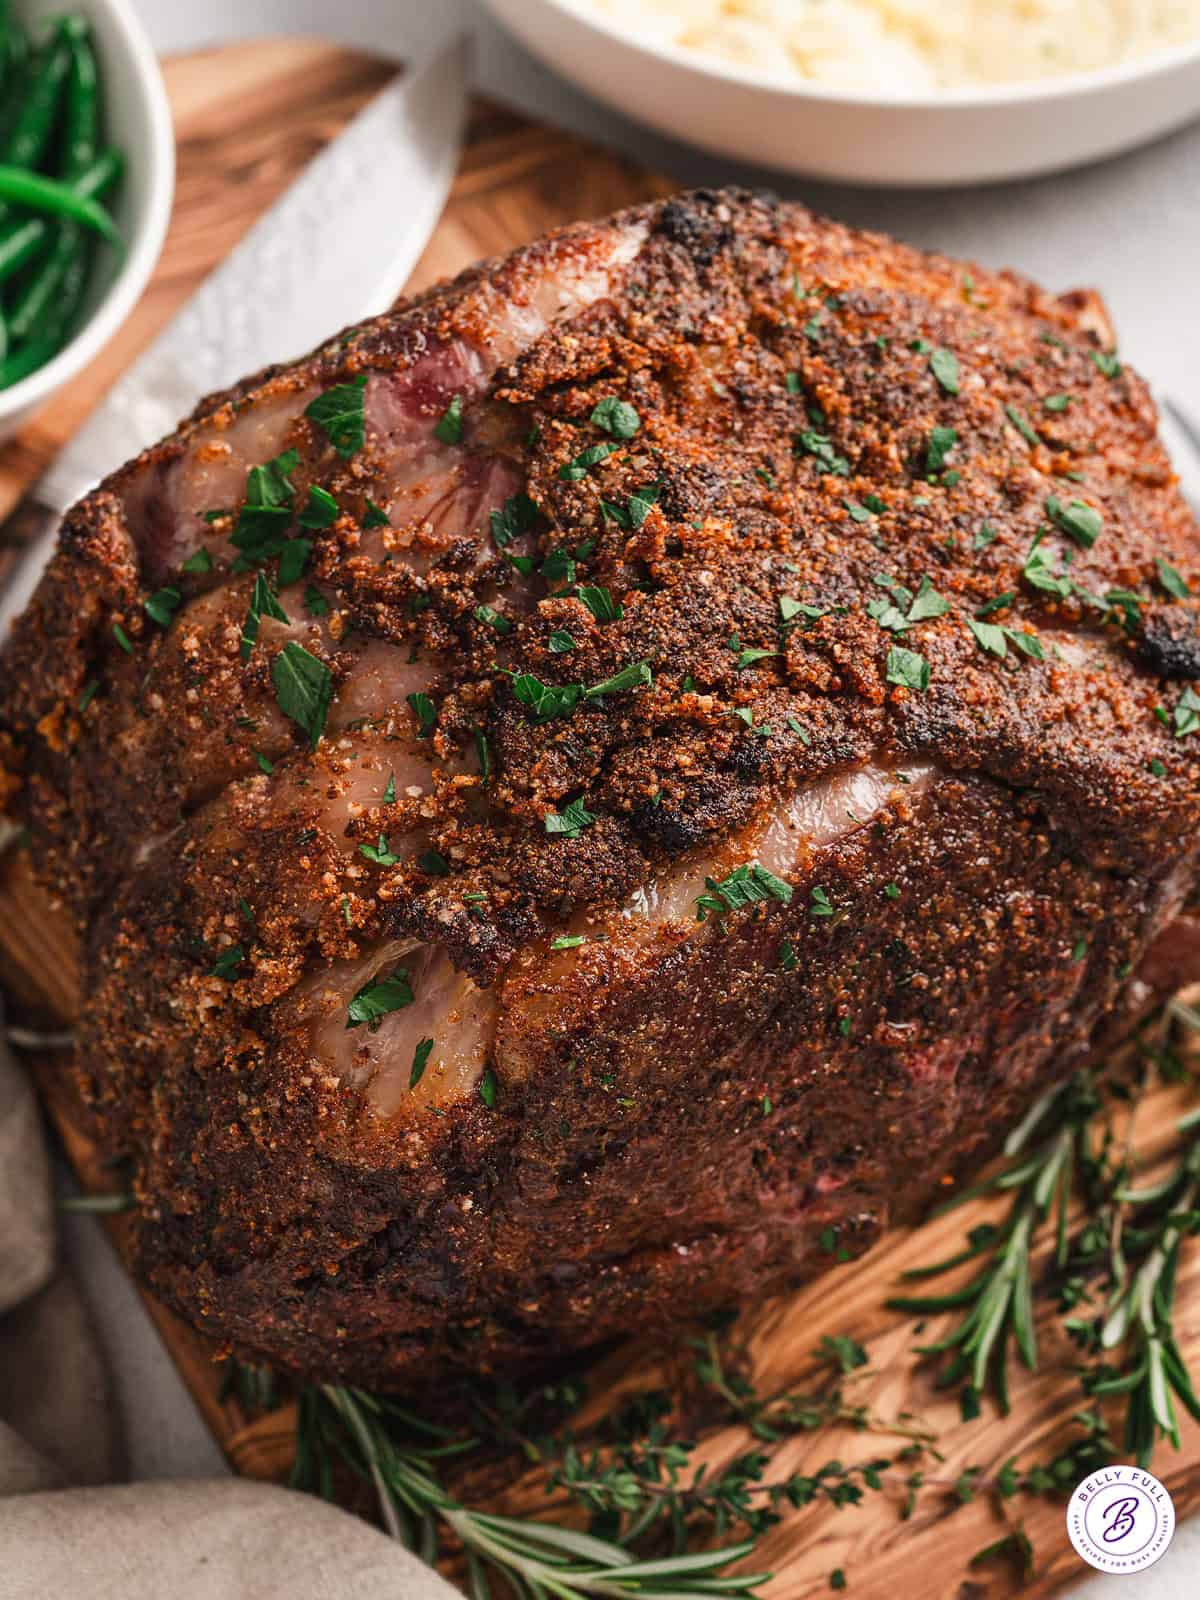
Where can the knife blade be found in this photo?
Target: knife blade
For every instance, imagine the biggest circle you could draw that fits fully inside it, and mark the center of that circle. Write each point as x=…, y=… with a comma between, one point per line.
x=320, y=258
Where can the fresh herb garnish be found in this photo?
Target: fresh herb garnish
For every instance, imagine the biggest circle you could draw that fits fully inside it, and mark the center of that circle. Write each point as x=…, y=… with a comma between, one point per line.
x=303, y=689
x=560, y=642
x=944, y=366
x=449, y=426
x=227, y=963
x=746, y=885
x=425, y=712
x=374, y=516
x=1080, y=521
x=600, y=603
x=1171, y=580
x=1023, y=426
x=941, y=442
x=315, y=602
x=1105, y=362
x=162, y=605
x=122, y=638
x=573, y=470
x=487, y=1089
x=907, y=668
x=1056, y=403
x=821, y=448
x=381, y=854
x=903, y=609
x=339, y=414
x=200, y=560
x=377, y=998
x=570, y=822
x=419, y=1062
x=263, y=603
x=493, y=618
x=636, y=509
x=517, y=516
x=616, y=417
x=322, y=510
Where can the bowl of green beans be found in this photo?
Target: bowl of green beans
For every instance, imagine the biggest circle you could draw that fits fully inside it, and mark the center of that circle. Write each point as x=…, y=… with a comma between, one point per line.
x=86, y=181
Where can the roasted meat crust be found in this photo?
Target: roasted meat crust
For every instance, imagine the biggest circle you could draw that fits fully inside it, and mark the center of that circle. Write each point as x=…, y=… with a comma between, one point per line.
x=676, y=1118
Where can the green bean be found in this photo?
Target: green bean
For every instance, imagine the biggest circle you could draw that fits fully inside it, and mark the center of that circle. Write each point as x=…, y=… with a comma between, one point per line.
x=20, y=363
x=20, y=242
x=38, y=108
x=59, y=199
x=62, y=274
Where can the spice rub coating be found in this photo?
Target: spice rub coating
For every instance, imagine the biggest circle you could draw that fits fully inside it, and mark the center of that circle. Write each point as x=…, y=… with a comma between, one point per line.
x=608, y=777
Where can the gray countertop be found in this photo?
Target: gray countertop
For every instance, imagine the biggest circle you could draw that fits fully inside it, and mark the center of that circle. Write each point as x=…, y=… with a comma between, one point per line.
x=1130, y=227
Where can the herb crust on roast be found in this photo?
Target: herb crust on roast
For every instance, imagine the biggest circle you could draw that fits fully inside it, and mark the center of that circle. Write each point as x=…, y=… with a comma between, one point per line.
x=597, y=790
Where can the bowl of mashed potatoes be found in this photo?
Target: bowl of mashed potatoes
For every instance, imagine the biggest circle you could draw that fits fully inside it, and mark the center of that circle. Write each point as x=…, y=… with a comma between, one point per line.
x=896, y=92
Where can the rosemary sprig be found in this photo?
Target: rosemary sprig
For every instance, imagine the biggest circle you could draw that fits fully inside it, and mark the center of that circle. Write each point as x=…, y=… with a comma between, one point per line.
x=998, y=1301
x=397, y=1452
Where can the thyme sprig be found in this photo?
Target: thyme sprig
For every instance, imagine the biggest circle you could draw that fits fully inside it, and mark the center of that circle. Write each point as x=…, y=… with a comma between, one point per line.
x=398, y=1452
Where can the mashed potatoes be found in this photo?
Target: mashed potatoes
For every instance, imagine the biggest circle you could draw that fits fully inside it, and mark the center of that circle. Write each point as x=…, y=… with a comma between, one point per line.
x=909, y=46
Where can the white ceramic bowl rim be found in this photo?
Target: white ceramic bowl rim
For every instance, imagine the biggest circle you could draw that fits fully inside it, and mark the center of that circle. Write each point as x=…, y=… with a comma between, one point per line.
x=142, y=250
x=1066, y=87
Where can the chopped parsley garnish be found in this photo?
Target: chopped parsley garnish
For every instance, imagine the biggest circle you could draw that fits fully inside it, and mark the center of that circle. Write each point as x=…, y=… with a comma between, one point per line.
x=322, y=510
x=747, y=658
x=1080, y=521
x=228, y=962
x=493, y=619
x=122, y=638
x=560, y=642
x=903, y=609
x=996, y=604
x=996, y=639
x=263, y=603
x=267, y=511
x=303, y=689
x=381, y=854
x=984, y=537
x=1170, y=579
x=339, y=414
x=820, y=447
x=616, y=417
x=487, y=1089
x=747, y=885
x=569, y=941
x=293, y=558
x=941, y=442
x=315, y=602
x=545, y=700
x=791, y=382
x=378, y=998
x=374, y=516
x=425, y=712
x=449, y=426
x=600, y=603
x=88, y=695
x=636, y=509
x=944, y=366
x=858, y=513
x=787, y=956
x=630, y=677
x=1023, y=426
x=570, y=822
x=1056, y=403
x=434, y=863
x=389, y=793
x=162, y=605
x=892, y=890
x=419, y=1062
x=265, y=764
x=1185, y=718
x=821, y=905
x=1037, y=571
x=558, y=567
x=1105, y=362
x=907, y=668
x=791, y=612
x=484, y=755
x=1157, y=768
x=517, y=516
x=572, y=471
x=199, y=561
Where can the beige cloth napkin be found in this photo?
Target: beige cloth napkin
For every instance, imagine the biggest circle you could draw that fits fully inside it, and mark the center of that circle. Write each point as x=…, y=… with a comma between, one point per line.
x=62, y=1534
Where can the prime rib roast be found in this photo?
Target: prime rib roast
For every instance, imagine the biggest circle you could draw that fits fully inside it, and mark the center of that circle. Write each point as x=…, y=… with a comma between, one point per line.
x=594, y=792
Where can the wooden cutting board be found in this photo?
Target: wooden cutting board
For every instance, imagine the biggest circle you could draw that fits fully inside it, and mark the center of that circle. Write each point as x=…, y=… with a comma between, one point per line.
x=247, y=120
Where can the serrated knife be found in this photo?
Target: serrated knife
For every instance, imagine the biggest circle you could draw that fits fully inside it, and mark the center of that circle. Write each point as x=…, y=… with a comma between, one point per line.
x=337, y=247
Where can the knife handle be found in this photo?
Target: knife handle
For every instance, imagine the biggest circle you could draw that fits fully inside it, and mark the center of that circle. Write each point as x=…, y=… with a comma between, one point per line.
x=26, y=540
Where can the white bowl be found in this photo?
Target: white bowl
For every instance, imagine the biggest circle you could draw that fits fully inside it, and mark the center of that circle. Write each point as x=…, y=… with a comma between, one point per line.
x=137, y=119
x=957, y=136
